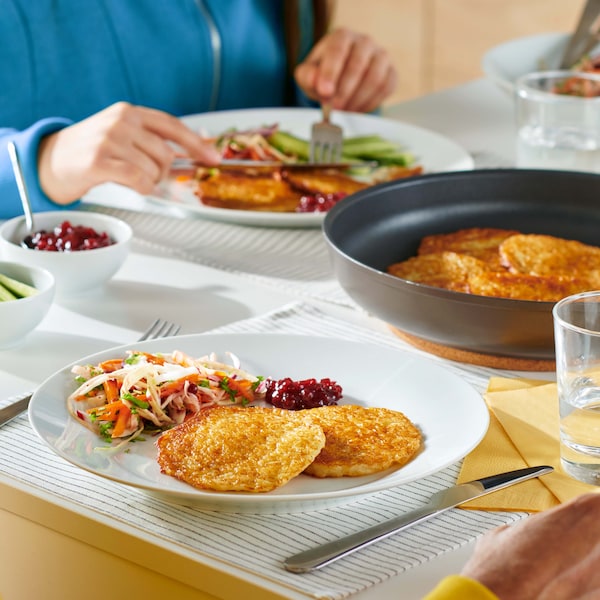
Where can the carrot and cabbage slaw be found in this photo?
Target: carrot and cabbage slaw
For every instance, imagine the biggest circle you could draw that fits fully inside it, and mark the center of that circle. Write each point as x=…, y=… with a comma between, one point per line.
x=121, y=398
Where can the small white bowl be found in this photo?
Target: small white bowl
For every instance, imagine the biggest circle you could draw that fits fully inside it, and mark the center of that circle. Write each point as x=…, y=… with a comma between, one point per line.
x=76, y=271
x=505, y=63
x=19, y=317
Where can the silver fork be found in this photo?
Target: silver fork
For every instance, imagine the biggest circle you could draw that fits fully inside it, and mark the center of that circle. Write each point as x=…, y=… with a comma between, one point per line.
x=326, y=139
x=158, y=329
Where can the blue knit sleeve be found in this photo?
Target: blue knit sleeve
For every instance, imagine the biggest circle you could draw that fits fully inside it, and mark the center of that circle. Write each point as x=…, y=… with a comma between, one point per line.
x=27, y=142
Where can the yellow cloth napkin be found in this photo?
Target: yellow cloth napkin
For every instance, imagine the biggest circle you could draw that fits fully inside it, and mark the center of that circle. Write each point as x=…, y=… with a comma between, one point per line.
x=523, y=432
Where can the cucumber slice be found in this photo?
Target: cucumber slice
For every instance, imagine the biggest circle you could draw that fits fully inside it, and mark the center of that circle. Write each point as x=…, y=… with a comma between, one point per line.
x=6, y=295
x=290, y=144
x=20, y=289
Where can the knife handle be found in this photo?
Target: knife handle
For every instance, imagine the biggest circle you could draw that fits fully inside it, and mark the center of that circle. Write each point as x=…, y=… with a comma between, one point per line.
x=318, y=557
x=9, y=412
x=497, y=482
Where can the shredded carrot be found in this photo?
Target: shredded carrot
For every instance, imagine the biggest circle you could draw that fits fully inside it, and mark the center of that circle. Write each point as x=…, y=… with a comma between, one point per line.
x=111, y=389
x=122, y=421
x=242, y=387
x=108, y=412
x=175, y=386
x=154, y=359
x=108, y=366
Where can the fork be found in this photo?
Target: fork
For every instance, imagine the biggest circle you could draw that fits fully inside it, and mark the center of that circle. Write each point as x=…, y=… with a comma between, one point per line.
x=326, y=139
x=158, y=329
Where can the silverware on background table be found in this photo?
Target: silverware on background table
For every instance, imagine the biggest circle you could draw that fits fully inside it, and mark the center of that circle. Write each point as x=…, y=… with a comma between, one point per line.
x=187, y=163
x=158, y=329
x=22, y=187
x=585, y=37
x=318, y=557
x=326, y=139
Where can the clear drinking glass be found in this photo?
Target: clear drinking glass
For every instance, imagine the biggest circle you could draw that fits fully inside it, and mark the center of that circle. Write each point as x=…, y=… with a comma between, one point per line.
x=556, y=130
x=577, y=339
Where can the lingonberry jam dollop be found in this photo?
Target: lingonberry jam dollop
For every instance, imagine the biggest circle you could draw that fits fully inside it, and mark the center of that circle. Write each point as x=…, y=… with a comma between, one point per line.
x=297, y=395
x=68, y=238
x=319, y=202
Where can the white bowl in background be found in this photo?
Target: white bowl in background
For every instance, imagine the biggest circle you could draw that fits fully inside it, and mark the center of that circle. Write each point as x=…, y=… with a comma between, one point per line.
x=20, y=317
x=76, y=271
x=505, y=63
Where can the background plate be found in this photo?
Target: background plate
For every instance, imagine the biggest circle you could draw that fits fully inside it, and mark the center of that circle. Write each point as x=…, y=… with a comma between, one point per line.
x=433, y=151
x=505, y=63
x=437, y=401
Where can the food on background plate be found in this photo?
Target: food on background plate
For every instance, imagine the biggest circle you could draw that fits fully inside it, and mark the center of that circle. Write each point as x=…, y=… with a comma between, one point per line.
x=574, y=86
x=281, y=189
x=277, y=190
x=258, y=449
x=504, y=264
x=253, y=449
x=68, y=238
x=13, y=289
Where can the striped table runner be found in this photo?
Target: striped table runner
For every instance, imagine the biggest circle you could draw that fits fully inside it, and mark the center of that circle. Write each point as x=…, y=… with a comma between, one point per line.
x=259, y=542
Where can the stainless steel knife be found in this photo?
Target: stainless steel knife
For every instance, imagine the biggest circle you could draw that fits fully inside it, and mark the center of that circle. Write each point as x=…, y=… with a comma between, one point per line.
x=9, y=412
x=318, y=557
x=182, y=163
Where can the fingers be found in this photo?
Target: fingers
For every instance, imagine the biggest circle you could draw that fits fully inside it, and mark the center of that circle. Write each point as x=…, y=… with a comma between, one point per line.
x=580, y=581
x=168, y=127
x=547, y=551
x=130, y=145
x=348, y=69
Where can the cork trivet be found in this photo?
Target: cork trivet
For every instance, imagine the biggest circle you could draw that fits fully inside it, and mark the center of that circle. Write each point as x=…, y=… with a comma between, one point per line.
x=476, y=358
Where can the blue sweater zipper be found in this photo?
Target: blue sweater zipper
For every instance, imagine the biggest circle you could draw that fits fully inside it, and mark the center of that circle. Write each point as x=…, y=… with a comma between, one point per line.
x=216, y=46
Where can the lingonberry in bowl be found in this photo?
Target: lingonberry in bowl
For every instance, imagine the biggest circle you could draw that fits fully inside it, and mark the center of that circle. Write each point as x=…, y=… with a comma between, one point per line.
x=67, y=237
x=82, y=249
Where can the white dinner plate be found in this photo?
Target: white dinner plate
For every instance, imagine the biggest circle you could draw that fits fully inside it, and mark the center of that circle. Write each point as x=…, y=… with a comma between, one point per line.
x=433, y=151
x=506, y=62
x=450, y=413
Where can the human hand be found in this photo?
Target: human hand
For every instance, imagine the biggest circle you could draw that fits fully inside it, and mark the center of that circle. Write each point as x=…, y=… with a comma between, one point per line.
x=123, y=144
x=554, y=555
x=349, y=70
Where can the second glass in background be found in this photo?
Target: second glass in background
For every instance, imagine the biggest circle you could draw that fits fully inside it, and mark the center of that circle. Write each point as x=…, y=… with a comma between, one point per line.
x=557, y=130
x=577, y=339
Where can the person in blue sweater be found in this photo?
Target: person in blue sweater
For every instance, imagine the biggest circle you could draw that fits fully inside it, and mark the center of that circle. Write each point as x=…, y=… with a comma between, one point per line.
x=90, y=91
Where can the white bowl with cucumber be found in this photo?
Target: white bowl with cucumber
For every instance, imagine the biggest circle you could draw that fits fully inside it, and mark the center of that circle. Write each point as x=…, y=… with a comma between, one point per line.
x=26, y=294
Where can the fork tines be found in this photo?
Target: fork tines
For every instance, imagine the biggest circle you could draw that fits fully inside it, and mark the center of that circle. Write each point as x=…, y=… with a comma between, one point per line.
x=326, y=139
x=160, y=329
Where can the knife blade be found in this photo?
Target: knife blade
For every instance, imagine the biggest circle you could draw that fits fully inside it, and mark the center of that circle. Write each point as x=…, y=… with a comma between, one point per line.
x=187, y=163
x=9, y=412
x=585, y=36
x=325, y=554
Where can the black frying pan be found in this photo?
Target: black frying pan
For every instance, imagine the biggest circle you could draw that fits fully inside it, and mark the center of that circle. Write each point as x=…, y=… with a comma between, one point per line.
x=384, y=224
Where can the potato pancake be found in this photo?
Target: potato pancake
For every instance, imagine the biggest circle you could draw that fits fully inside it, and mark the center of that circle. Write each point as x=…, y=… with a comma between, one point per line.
x=480, y=242
x=243, y=449
x=546, y=255
x=362, y=440
x=447, y=270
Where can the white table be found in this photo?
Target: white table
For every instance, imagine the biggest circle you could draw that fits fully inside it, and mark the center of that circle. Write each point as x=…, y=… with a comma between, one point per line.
x=476, y=115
